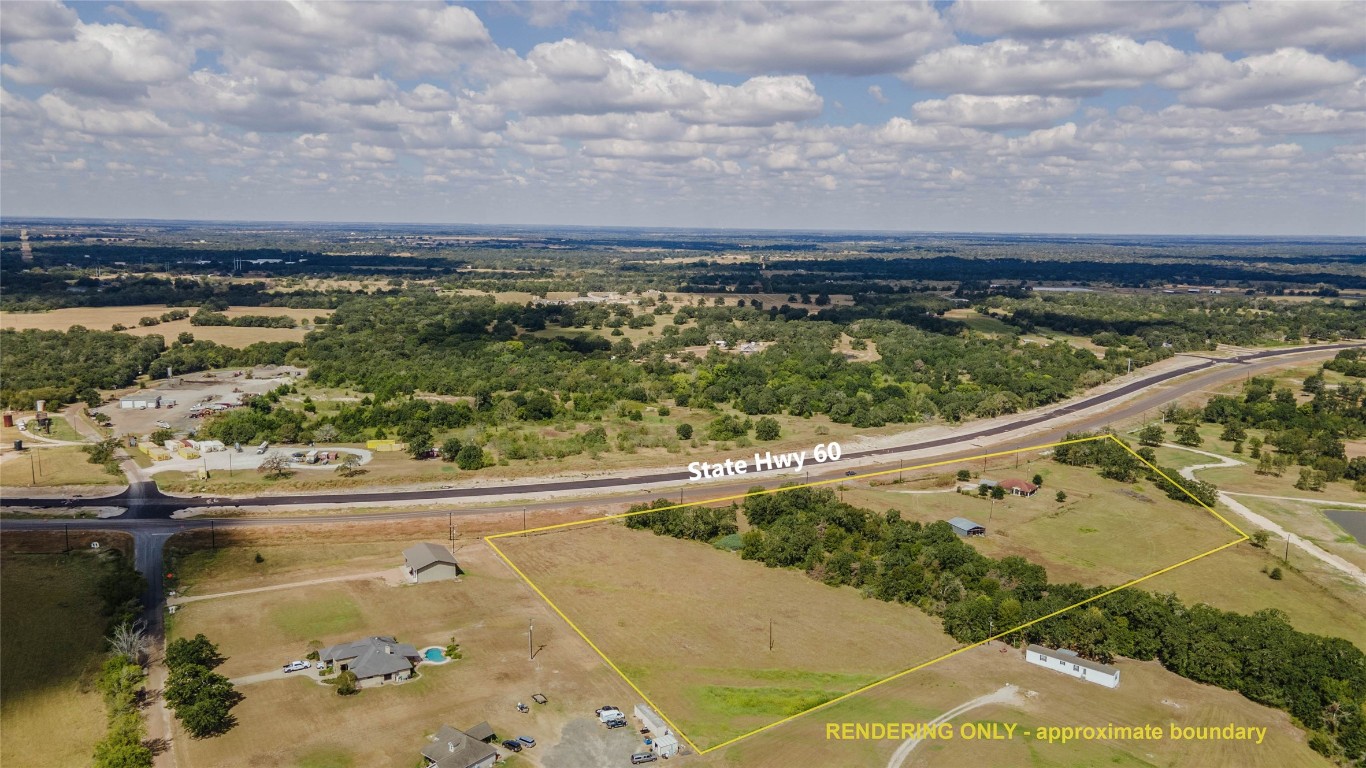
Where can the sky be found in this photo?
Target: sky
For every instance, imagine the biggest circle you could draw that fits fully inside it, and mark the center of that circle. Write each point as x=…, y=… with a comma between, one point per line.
x=1117, y=117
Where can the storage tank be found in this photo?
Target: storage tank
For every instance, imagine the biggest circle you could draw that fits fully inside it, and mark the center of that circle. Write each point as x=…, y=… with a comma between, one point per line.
x=9, y=419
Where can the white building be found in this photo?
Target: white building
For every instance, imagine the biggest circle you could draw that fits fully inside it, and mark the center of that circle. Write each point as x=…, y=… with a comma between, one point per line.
x=1069, y=663
x=662, y=740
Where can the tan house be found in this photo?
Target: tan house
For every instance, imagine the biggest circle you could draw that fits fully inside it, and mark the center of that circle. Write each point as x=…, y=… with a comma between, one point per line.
x=429, y=562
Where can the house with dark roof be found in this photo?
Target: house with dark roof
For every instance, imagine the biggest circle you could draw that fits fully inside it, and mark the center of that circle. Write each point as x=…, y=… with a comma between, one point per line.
x=429, y=562
x=376, y=659
x=453, y=748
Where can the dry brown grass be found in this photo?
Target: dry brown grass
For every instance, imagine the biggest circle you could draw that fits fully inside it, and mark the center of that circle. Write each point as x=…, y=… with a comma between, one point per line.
x=283, y=722
x=1147, y=694
x=103, y=318
x=689, y=624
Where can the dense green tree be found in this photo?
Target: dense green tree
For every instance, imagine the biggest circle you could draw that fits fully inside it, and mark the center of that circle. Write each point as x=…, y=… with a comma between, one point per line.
x=470, y=457
x=1188, y=434
x=1151, y=435
x=767, y=429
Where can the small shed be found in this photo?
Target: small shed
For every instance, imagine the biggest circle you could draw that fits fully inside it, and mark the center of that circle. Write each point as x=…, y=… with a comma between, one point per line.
x=665, y=746
x=1069, y=663
x=965, y=527
x=429, y=562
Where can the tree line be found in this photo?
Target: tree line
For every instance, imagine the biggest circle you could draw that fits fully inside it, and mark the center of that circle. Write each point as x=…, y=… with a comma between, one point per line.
x=1321, y=681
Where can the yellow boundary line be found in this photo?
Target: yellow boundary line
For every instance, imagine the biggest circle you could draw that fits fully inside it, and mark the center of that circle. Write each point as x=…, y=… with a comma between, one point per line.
x=490, y=541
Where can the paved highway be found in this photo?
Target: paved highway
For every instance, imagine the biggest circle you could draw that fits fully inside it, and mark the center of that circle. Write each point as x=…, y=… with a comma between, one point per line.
x=143, y=500
x=147, y=516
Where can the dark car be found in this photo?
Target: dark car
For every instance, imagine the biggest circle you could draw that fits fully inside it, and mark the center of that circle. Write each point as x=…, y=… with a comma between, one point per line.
x=514, y=746
x=600, y=710
x=618, y=723
x=851, y=473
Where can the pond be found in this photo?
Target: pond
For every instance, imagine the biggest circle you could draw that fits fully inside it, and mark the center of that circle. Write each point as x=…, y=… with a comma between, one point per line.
x=1350, y=520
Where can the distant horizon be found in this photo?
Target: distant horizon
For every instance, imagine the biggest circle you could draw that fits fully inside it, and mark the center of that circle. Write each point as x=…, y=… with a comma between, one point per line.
x=13, y=220
x=1050, y=118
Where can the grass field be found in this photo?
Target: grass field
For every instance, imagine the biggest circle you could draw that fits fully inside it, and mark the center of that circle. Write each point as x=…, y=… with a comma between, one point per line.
x=689, y=624
x=103, y=318
x=1315, y=598
x=58, y=465
x=50, y=650
x=294, y=722
x=981, y=323
x=1105, y=533
x=1147, y=694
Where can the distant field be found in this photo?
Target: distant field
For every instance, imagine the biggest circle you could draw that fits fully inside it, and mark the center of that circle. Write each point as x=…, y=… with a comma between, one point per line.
x=50, y=649
x=980, y=322
x=103, y=318
x=689, y=624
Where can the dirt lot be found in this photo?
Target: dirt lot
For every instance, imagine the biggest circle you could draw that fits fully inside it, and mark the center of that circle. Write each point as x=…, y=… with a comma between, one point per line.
x=191, y=389
x=689, y=624
x=104, y=318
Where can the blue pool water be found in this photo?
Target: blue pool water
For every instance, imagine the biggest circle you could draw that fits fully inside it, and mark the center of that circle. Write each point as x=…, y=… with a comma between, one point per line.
x=434, y=654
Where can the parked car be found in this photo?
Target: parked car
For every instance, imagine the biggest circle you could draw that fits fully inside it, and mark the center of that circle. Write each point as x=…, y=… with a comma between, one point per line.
x=643, y=757
x=600, y=710
x=851, y=473
x=296, y=666
x=164, y=424
x=527, y=741
x=515, y=746
x=617, y=723
x=322, y=665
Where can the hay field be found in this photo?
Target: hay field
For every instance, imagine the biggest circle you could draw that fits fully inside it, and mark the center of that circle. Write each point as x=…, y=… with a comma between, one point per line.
x=689, y=624
x=103, y=318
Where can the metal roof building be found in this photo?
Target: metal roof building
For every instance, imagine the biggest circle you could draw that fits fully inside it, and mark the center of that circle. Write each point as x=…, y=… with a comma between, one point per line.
x=965, y=527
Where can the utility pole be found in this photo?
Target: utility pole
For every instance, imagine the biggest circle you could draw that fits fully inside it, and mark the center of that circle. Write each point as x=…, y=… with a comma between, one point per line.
x=900, y=466
x=66, y=531
x=1287, y=548
x=213, y=535
x=524, y=521
x=530, y=641
x=450, y=523
x=770, y=634
x=33, y=474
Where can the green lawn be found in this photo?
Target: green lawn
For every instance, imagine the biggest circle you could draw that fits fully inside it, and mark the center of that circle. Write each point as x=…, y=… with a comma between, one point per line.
x=50, y=651
x=306, y=618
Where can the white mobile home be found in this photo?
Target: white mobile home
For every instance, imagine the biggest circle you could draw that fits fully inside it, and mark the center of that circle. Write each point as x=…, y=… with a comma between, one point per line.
x=1069, y=663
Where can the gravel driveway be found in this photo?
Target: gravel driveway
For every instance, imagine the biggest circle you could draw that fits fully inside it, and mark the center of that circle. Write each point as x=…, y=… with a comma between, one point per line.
x=585, y=743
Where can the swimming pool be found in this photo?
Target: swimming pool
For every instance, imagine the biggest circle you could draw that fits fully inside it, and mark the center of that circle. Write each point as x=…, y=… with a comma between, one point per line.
x=435, y=655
